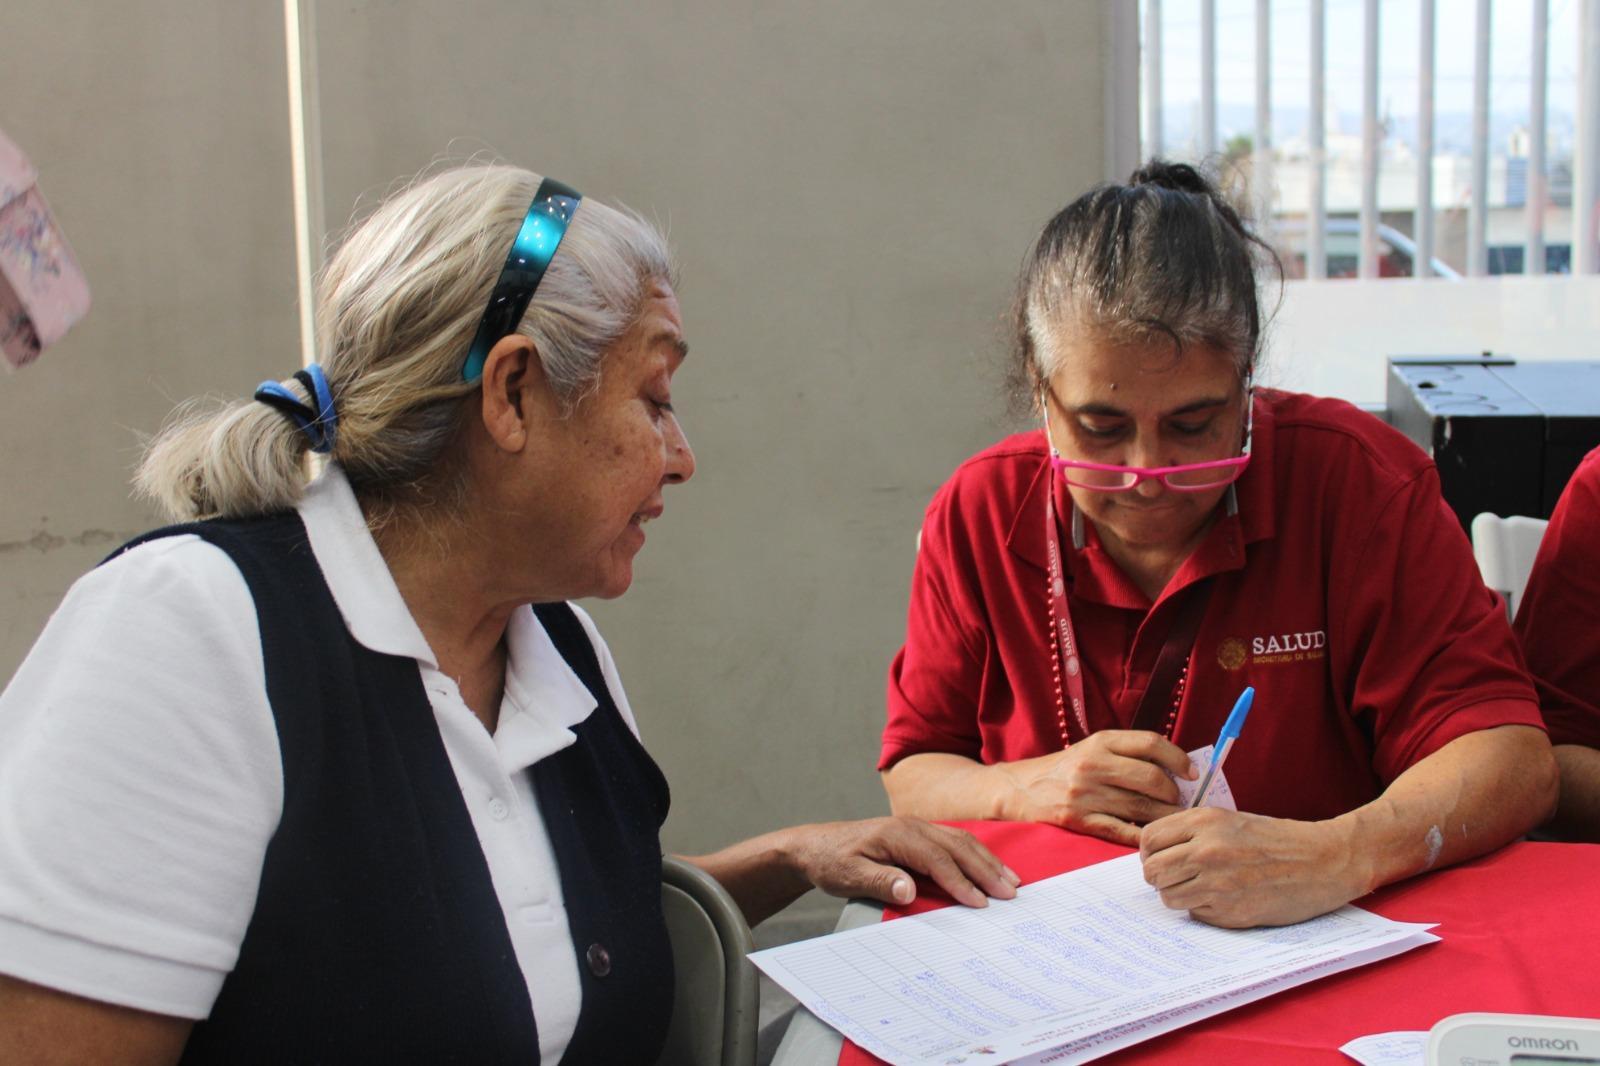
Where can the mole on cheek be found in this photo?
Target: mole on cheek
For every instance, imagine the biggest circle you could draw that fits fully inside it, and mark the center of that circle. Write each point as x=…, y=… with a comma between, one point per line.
x=616, y=451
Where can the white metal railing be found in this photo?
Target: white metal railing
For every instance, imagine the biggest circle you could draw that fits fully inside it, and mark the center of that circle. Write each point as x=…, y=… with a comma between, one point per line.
x=1422, y=226
x=1317, y=227
x=1153, y=118
x=1478, y=211
x=1208, y=77
x=1586, y=154
x=1368, y=264
x=1585, y=216
x=1538, y=66
x=1261, y=161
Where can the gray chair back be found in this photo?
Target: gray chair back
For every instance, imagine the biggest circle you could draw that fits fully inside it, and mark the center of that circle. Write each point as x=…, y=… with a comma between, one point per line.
x=716, y=1001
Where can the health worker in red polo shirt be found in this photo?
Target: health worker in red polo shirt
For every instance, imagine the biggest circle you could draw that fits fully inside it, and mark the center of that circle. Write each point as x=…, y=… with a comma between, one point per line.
x=1091, y=597
x=1558, y=622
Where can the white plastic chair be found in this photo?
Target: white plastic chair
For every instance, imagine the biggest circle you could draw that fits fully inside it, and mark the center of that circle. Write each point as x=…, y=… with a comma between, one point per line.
x=1505, y=548
x=716, y=1002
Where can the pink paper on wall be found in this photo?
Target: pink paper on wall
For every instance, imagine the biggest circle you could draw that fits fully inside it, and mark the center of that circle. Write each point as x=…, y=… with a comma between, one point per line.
x=42, y=290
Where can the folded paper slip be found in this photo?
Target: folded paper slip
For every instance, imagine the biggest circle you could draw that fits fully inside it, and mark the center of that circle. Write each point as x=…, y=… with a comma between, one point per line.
x=42, y=290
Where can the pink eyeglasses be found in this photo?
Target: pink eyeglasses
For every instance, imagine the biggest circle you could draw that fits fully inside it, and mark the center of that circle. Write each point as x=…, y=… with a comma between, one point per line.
x=1186, y=477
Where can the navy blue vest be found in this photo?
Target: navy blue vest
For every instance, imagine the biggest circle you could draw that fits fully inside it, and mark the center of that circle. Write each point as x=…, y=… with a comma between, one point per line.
x=377, y=936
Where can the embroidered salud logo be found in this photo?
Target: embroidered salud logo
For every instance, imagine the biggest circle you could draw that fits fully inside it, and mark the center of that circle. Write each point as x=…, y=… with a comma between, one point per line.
x=1234, y=653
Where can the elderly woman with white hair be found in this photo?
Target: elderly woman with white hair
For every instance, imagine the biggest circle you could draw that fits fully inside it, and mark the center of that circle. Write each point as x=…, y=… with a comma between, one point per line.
x=334, y=772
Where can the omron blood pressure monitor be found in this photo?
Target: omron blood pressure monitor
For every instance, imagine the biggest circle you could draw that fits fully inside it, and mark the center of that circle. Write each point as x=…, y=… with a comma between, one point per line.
x=1514, y=1040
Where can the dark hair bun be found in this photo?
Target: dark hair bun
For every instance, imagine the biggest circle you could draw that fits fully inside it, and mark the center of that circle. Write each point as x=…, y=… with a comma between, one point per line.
x=1179, y=177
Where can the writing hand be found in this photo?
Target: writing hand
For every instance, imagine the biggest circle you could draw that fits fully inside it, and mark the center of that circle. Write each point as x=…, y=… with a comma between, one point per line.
x=1243, y=870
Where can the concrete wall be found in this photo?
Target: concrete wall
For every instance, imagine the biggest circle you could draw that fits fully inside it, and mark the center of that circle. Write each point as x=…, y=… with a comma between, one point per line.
x=850, y=188
x=161, y=133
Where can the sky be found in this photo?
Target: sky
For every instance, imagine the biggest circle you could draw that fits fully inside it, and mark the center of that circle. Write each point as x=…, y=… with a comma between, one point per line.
x=1398, y=57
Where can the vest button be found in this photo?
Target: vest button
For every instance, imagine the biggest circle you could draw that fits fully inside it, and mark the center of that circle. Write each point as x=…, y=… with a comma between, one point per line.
x=599, y=960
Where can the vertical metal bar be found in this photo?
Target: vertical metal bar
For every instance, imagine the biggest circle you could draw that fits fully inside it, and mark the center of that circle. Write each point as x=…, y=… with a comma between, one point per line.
x=1368, y=263
x=1154, y=140
x=1208, y=78
x=1422, y=227
x=1261, y=163
x=1122, y=91
x=305, y=155
x=1533, y=252
x=1586, y=171
x=1317, y=223
x=1478, y=210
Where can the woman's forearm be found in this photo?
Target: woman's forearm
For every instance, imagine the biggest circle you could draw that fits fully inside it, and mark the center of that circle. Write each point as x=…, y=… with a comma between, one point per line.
x=943, y=787
x=1578, y=813
x=1237, y=870
x=761, y=873
x=1471, y=796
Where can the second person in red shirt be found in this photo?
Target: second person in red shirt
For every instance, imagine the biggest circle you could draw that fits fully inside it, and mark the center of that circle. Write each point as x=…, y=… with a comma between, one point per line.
x=1090, y=597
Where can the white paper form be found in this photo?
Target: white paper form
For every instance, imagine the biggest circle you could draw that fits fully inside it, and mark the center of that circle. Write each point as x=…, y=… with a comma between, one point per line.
x=1104, y=1043
x=1090, y=959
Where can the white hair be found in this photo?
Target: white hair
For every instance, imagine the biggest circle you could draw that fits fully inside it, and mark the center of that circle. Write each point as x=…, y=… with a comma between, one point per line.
x=398, y=305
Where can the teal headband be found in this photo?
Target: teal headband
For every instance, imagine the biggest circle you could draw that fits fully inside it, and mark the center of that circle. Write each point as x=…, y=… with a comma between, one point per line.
x=546, y=223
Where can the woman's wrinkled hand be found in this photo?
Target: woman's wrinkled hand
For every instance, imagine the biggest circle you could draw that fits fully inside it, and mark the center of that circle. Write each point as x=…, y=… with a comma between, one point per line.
x=1243, y=870
x=1106, y=785
x=874, y=858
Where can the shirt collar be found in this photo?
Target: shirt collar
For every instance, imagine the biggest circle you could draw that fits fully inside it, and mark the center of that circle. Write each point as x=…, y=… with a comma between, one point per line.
x=370, y=601
x=1094, y=574
x=544, y=697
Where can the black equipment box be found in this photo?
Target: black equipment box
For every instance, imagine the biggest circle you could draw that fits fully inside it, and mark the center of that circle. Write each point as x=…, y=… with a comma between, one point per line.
x=1505, y=435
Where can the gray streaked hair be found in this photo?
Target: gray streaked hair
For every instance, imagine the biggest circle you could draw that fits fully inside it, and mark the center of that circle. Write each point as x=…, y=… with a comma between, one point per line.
x=1164, y=257
x=397, y=307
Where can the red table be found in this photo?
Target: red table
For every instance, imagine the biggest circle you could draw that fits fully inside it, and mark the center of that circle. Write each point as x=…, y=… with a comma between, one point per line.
x=1520, y=929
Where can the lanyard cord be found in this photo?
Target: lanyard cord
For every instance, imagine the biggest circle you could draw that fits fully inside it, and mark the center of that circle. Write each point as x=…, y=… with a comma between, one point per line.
x=1063, y=641
x=1172, y=668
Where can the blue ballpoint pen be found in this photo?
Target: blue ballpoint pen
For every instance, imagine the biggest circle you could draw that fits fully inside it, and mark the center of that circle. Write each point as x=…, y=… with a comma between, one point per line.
x=1225, y=739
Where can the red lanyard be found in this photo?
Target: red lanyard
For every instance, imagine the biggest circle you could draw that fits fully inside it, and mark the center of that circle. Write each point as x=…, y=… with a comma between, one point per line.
x=1164, y=695
x=1064, y=642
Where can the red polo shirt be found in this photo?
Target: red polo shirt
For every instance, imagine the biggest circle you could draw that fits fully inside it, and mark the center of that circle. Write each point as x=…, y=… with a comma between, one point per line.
x=1345, y=592
x=1559, y=618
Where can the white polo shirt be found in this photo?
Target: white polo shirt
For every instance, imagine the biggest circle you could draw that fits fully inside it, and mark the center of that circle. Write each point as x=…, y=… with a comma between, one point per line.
x=140, y=776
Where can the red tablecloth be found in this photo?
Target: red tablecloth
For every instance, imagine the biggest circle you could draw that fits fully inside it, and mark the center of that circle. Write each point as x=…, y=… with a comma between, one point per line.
x=1520, y=929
